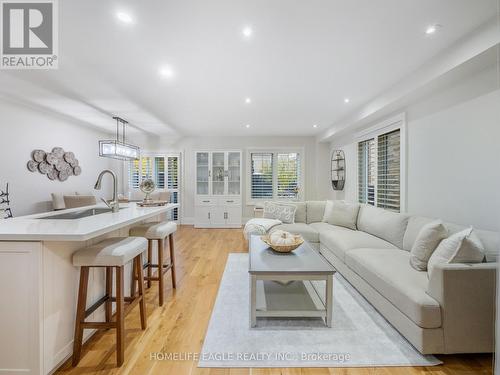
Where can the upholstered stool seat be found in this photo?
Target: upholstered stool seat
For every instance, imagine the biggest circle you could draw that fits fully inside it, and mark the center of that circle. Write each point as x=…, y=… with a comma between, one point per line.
x=159, y=232
x=154, y=231
x=112, y=254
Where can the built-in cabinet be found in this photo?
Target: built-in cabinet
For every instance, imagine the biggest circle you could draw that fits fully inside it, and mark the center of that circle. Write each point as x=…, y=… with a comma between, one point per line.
x=218, y=201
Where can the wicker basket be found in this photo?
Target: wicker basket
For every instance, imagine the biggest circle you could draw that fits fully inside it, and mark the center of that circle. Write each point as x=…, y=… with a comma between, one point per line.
x=284, y=248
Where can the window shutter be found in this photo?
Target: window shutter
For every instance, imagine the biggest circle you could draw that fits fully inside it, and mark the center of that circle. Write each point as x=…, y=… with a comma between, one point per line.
x=133, y=174
x=288, y=168
x=173, y=172
x=389, y=163
x=160, y=172
x=366, y=172
x=146, y=168
x=262, y=175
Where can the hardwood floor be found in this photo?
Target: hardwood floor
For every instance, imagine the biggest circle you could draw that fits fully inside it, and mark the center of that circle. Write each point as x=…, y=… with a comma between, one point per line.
x=179, y=326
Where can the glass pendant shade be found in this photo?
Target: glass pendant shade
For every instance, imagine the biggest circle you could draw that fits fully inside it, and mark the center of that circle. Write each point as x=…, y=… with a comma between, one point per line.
x=118, y=149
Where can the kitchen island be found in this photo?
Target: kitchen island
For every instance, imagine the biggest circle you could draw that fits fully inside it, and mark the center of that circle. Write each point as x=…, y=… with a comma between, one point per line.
x=39, y=284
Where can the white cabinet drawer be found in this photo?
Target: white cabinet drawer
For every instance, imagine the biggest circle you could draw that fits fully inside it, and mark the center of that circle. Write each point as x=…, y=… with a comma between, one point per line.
x=230, y=201
x=205, y=201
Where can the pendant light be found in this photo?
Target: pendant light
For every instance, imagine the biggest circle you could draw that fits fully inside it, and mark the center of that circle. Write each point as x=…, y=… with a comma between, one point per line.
x=118, y=149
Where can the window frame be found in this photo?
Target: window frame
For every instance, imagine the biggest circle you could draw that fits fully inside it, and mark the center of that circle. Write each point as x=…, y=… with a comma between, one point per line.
x=275, y=151
x=397, y=122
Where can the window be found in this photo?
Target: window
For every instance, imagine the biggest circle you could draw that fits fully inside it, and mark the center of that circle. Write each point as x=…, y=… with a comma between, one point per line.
x=163, y=170
x=275, y=175
x=380, y=161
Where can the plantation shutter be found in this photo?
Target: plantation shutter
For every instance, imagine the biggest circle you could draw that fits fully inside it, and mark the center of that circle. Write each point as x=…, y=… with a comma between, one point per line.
x=288, y=168
x=146, y=168
x=173, y=183
x=134, y=174
x=389, y=170
x=160, y=172
x=366, y=172
x=262, y=175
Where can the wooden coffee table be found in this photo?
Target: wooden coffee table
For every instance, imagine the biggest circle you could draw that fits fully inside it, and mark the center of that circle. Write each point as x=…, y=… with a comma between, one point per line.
x=294, y=295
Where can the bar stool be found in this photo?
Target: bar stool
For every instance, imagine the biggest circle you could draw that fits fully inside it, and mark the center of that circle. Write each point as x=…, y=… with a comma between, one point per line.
x=112, y=254
x=157, y=232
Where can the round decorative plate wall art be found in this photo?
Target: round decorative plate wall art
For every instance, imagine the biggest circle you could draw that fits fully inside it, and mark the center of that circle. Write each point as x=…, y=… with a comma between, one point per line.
x=56, y=164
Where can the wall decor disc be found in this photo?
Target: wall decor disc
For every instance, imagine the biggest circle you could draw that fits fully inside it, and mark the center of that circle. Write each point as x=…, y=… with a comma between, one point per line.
x=58, y=151
x=32, y=166
x=63, y=176
x=69, y=156
x=77, y=171
x=38, y=155
x=69, y=170
x=74, y=163
x=53, y=174
x=61, y=165
x=44, y=167
x=51, y=158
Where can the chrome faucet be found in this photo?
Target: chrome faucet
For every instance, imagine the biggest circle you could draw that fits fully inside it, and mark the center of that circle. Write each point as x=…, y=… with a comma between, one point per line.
x=113, y=204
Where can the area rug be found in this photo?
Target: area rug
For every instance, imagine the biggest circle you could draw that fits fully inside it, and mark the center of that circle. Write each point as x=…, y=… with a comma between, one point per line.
x=359, y=337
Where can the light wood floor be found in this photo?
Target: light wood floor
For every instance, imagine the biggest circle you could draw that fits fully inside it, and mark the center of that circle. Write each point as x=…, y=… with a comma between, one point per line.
x=180, y=325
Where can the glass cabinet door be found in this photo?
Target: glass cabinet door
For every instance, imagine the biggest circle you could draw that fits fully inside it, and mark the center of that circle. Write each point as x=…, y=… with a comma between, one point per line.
x=202, y=168
x=233, y=173
x=218, y=173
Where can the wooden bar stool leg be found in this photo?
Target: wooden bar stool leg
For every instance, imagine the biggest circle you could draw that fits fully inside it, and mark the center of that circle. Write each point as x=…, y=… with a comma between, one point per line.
x=120, y=319
x=172, y=258
x=150, y=260
x=135, y=277
x=80, y=315
x=142, y=303
x=160, y=270
x=109, y=292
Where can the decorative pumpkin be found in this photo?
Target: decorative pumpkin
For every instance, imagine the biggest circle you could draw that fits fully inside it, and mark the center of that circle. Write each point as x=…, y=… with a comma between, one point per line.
x=282, y=238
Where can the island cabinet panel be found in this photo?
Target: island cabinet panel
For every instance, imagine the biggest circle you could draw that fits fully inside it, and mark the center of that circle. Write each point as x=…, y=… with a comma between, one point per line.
x=20, y=307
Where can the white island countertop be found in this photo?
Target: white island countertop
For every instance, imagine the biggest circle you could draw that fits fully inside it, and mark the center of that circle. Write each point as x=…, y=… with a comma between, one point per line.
x=33, y=228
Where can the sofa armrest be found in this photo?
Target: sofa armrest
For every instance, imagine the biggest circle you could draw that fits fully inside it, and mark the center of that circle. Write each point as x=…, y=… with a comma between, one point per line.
x=467, y=296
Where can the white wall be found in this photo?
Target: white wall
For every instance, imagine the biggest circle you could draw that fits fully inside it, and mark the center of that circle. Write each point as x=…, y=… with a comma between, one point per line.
x=452, y=153
x=189, y=145
x=22, y=130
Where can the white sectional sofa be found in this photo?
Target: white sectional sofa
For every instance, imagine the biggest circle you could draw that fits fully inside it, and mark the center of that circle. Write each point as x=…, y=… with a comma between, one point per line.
x=452, y=312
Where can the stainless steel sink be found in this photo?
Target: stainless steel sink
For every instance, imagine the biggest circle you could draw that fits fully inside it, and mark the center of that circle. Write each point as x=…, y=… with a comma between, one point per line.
x=78, y=214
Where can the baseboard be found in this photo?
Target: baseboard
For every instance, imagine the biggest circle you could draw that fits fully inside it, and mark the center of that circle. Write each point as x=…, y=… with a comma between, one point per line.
x=187, y=220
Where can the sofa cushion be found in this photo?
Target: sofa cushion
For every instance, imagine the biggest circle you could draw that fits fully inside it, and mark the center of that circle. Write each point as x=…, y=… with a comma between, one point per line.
x=389, y=272
x=339, y=239
x=279, y=211
x=315, y=211
x=427, y=240
x=306, y=231
x=300, y=213
x=343, y=214
x=490, y=240
x=384, y=224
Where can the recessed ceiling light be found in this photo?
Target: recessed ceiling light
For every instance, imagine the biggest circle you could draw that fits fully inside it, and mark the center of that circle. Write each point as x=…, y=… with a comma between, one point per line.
x=247, y=32
x=432, y=29
x=247, y=126
x=248, y=100
x=347, y=100
x=166, y=71
x=315, y=126
x=124, y=17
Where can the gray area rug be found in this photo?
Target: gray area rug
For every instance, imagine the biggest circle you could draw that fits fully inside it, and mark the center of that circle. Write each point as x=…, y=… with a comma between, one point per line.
x=360, y=336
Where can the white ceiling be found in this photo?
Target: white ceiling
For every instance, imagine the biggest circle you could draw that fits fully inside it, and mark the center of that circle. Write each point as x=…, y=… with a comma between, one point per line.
x=303, y=59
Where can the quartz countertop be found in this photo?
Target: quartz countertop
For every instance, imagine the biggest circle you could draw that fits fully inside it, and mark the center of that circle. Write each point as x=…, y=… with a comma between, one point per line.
x=32, y=228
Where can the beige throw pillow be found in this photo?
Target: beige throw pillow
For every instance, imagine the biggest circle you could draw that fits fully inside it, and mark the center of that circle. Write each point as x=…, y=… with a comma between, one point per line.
x=461, y=247
x=343, y=214
x=279, y=211
x=426, y=242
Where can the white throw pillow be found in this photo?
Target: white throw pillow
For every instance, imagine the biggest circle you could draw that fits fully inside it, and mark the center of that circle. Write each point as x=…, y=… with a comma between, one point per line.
x=344, y=214
x=461, y=247
x=280, y=211
x=426, y=242
x=328, y=211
